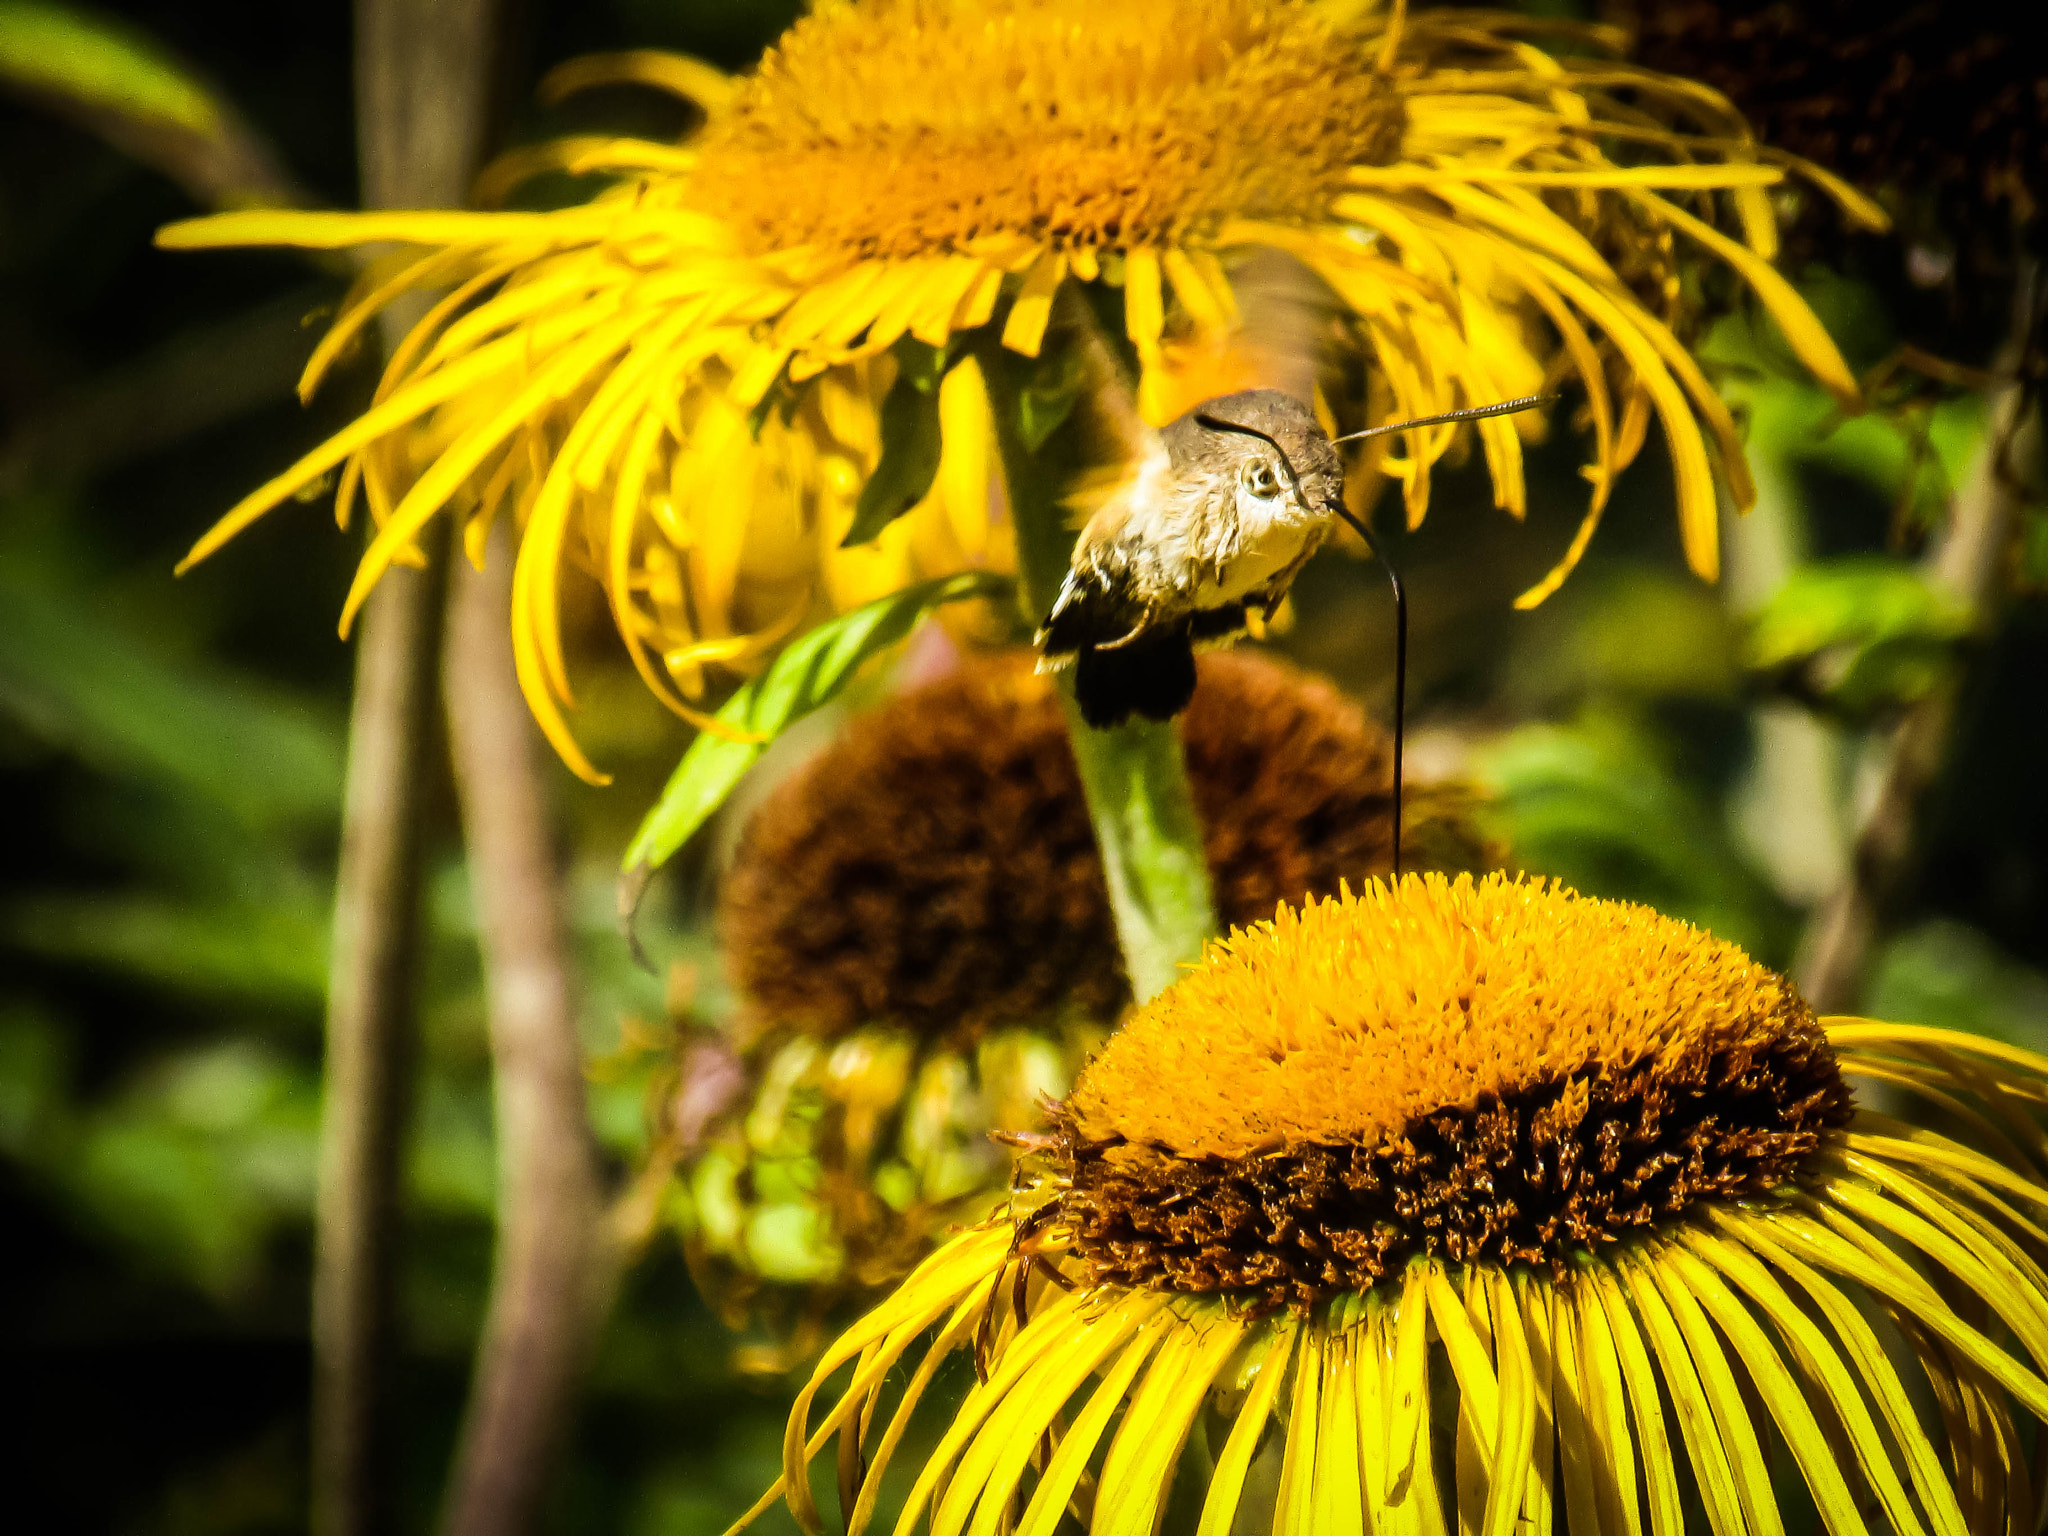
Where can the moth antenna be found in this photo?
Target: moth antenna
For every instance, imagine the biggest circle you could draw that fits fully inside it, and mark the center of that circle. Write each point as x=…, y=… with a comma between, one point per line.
x=1470, y=413
x=1224, y=424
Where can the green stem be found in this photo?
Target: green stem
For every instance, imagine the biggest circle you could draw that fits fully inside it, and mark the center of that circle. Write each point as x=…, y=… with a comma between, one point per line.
x=1133, y=775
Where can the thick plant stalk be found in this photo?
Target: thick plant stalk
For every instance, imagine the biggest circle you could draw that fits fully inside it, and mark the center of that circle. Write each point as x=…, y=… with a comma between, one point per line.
x=554, y=1261
x=369, y=1033
x=420, y=79
x=1969, y=565
x=1145, y=824
x=1788, y=810
x=1133, y=775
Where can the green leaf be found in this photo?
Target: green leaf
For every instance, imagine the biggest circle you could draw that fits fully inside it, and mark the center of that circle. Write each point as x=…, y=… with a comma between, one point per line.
x=196, y=1165
x=98, y=65
x=1886, y=676
x=113, y=694
x=1857, y=601
x=2034, y=551
x=1635, y=632
x=911, y=441
x=1857, y=635
x=778, y=399
x=1950, y=975
x=1048, y=399
x=272, y=951
x=802, y=678
x=1911, y=455
x=115, y=82
x=35, y=1073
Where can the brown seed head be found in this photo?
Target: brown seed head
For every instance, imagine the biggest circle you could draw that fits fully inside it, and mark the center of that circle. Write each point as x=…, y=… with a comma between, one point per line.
x=935, y=867
x=1941, y=111
x=1898, y=95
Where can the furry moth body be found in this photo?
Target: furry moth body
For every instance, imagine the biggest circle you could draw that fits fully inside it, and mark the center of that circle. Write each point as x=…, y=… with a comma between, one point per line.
x=1225, y=510
x=1223, y=513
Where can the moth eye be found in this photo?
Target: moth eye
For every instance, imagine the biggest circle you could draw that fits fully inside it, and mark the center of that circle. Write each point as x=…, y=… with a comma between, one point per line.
x=1260, y=480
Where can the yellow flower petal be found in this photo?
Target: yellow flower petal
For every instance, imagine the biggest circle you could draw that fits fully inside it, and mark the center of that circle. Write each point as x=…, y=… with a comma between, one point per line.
x=1219, y=1507
x=1802, y=328
x=676, y=73
x=1144, y=308
x=1032, y=307
x=1048, y=1506
x=337, y=231
x=1712, y=1469
x=966, y=457
x=1784, y=1398
x=1688, y=178
x=1645, y=1403
x=1138, y=1471
x=1294, y=1508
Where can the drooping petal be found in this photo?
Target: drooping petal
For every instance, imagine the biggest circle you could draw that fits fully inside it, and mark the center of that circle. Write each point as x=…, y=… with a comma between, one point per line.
x=1226, y=1483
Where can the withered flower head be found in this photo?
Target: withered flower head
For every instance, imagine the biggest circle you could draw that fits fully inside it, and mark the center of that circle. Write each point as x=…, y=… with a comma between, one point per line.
x=1938, y=111
x=1579, y=1174
x=935, y=866
x=1895, y=95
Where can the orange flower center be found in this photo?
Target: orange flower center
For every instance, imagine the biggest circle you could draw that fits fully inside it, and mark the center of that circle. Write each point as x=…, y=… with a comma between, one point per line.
x=904, y=128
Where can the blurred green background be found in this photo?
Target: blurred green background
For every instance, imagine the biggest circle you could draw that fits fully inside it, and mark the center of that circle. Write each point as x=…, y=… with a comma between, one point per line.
x=172, y=756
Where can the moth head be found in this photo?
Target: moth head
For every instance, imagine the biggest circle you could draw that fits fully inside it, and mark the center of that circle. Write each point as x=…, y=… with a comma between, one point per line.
x=1269, y=445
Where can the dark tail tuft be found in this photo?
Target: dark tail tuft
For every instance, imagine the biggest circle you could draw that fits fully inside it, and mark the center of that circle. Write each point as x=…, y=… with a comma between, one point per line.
x=1086, y=614
x=1153, y=676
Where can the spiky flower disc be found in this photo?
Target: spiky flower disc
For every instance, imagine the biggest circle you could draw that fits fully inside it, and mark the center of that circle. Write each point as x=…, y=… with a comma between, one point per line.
x=1677, y=1254
x=1498, y=1071
x=1109, y=132
x=679, y=385
x=918, y=929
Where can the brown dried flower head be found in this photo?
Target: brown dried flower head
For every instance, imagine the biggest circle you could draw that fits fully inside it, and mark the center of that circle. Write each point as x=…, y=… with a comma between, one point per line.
x=1892, y=94
x=935, y=867
x=1938, y=111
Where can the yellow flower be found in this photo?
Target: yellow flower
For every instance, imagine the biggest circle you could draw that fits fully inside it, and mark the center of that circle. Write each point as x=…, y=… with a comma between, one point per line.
x=678, y=385
x=1572, y=1174
x=917, y=928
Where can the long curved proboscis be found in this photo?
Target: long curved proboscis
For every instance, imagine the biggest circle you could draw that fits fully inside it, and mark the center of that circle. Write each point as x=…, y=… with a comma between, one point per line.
x=1470, y=413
